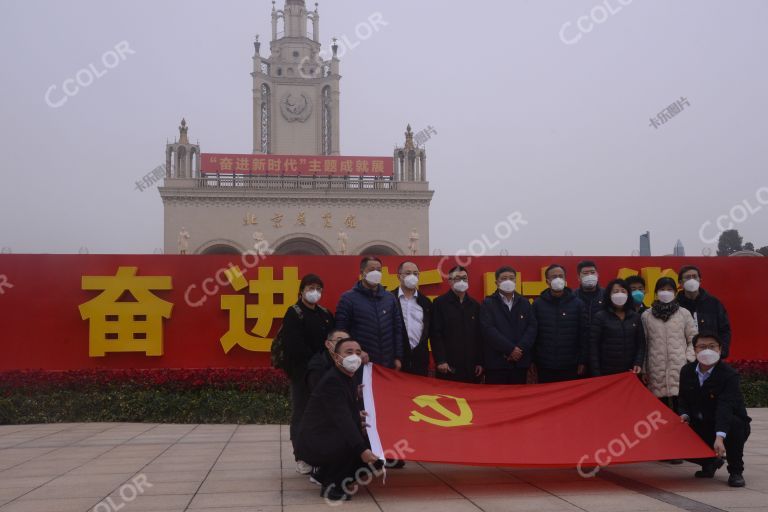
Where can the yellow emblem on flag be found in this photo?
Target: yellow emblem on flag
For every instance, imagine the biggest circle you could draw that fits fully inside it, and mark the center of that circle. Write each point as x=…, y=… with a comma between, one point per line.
x=449, y=418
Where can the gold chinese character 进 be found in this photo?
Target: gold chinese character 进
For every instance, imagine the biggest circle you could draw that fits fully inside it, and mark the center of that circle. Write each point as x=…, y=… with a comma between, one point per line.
x=265, y=312
x=125, y=326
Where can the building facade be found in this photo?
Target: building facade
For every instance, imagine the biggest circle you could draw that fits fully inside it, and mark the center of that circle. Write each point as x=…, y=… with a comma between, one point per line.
x=295, y=112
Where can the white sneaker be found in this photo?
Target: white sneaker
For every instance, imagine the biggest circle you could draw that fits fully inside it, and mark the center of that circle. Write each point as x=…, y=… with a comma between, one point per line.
x=303, y=468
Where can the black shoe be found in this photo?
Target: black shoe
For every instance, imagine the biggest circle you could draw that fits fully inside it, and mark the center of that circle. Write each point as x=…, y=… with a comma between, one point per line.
x=395, y=464
x=333, y=493
x=736, y=480
x=675, y=462
x=708, y=470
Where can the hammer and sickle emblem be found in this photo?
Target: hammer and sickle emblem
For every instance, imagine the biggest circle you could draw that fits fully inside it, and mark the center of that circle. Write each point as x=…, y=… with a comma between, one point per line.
x=449, y=418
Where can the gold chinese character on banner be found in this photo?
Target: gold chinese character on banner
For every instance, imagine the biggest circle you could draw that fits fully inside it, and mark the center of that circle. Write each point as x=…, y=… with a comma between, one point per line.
x=266, y=287
x=134, y=325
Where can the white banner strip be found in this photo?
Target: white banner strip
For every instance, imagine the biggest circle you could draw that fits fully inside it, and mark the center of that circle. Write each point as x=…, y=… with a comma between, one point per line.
x=370, y=408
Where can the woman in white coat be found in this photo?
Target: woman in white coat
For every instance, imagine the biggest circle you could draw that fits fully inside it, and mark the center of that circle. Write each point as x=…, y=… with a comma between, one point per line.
x=669, y=332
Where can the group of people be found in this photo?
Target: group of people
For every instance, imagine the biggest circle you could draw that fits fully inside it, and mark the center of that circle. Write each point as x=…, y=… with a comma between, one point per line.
x=676, y=346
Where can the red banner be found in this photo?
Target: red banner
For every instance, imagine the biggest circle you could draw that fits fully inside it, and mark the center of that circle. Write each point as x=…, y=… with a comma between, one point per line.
x=62, y=312
x=296, y=165
x=583, y=423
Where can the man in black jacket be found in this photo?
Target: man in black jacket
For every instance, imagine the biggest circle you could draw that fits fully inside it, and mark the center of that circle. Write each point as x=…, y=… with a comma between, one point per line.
x=707, y=310
x=416, y=314
x=323, y=360
x=331, y=435
x=509, y=330
x=562, y=330
x=456, y=338
x=589, y=290
x=711, y=402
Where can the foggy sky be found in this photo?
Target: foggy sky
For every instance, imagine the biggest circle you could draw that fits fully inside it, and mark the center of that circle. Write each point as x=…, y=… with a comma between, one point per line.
x=525, y=122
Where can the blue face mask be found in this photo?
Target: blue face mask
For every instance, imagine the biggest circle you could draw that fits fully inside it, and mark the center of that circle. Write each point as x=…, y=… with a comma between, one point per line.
x=638, y=296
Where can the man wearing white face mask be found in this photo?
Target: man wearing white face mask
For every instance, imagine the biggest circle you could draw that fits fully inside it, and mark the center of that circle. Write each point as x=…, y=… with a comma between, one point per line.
x=416, y=312
x=372, y=317
x=456, y=337
x=589, y=290
x=712, y=403
x=331, y=436
x=509, y=331
x=707, y=310
x=562, y=332
x=305, y=327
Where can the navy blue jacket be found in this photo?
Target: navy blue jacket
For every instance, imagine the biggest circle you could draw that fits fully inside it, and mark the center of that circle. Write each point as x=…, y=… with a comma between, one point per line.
x=592, y=300
x=373, y=319
x=710, y=315
x=562, y=334
x=504, y=329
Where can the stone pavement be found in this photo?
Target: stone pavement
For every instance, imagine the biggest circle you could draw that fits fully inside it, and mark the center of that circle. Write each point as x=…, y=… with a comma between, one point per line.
x=106, y=467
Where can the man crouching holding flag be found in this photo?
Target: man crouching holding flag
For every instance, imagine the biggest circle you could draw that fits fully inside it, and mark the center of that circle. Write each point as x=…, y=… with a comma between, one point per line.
x=331, y=434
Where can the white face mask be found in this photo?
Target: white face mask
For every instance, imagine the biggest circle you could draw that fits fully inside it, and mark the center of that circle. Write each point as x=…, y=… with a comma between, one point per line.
x=507, y=286
x=666, y=296
x=619, y=299
x=692, y=285
x=589, y=281
x=312, y=296
x=708, y=357
x=460, y=286
x=557, y=284
x=411, y=281
x=373, y=277
x=351, y=363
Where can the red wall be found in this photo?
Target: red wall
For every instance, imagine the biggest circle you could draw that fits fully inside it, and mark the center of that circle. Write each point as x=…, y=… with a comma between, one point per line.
x=41, y=324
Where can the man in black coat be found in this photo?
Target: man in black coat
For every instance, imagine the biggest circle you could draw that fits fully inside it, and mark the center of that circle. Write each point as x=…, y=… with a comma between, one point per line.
x=562, y=330
x=707, y=310
x=711, y=402
x=456, y=338
x=416, y=314
x=331, y=434
x=509, y=331
x=589, y=290
x=323, y=360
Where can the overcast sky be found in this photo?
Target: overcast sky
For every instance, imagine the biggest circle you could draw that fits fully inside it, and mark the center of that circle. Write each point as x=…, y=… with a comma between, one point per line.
x=532, y=114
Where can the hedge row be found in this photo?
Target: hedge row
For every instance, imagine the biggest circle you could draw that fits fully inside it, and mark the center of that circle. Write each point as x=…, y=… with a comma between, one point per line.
x=244, y=395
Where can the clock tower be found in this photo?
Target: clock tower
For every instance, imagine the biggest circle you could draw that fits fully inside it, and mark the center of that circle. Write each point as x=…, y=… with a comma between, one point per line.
x=295, y=89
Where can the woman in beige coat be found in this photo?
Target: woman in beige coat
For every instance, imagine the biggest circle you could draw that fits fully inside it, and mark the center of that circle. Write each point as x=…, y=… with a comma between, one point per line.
x=669, y=332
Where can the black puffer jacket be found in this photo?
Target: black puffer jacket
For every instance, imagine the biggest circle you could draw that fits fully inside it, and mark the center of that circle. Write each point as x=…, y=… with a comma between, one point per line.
x=562, y=332
x=615, y=345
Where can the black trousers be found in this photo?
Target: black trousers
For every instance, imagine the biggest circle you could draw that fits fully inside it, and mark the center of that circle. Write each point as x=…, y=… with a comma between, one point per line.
x=734, y=442
x=340, y=471
x=671, y=402
x=460, y=375
x=507, y=376
x=547, y=375
x=299, y=398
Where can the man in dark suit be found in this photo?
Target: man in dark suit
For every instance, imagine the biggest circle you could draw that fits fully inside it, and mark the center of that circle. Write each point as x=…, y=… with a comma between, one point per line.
x=711, y=402
x=331, y=435
x=509, y=331
x=416, y=314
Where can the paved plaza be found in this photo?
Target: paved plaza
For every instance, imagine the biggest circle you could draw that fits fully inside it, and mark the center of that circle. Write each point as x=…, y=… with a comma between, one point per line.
x=240, y=468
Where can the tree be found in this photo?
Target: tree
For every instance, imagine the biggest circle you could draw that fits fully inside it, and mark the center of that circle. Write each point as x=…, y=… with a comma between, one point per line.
x=730, y=242
x=763, y=251
x=749, y=246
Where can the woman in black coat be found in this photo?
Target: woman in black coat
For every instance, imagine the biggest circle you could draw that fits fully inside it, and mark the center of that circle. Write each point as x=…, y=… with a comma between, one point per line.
x=617, y=339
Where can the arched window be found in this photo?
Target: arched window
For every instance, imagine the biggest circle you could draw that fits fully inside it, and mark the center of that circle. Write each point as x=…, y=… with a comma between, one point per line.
x=327, y=118
x=266, y=109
